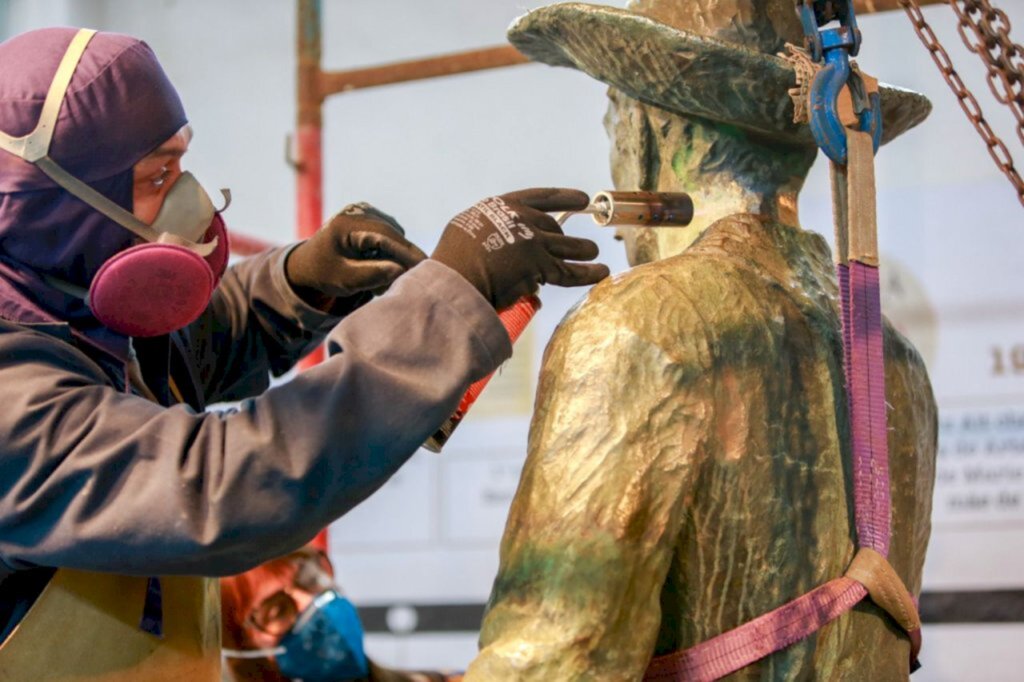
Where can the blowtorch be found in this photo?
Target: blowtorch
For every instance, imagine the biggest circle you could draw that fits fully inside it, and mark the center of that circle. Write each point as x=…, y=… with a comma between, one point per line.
x=608, y=209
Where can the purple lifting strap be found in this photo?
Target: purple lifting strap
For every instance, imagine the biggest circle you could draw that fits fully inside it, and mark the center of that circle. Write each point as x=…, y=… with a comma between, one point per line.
x=865, y=378
x=861, y=316
x=766, y=634
x=843, y=276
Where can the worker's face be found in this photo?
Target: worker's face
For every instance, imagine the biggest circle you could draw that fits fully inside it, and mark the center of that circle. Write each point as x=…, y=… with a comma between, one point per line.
x=276, y=599
x=156, y=173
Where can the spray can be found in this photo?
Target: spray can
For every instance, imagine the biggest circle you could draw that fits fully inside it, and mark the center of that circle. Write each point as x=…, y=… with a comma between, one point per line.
x=515, y=318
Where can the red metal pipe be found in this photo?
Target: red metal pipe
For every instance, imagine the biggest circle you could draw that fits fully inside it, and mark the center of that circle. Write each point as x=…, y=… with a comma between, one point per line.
x=335, y=82
x=309, y=140
x=309, y=216
x=309, y=151
x=244, y=245
x=310, y=199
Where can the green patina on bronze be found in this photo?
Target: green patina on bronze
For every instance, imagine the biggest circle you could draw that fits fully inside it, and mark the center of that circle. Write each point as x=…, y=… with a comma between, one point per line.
x=688, y=465
x=570, y=585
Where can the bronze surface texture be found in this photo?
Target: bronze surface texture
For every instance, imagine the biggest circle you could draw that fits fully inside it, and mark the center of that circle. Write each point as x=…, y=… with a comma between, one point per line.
x=688, y=464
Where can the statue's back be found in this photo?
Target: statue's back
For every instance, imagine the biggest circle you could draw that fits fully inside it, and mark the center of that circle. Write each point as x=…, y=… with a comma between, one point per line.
x=690, y=452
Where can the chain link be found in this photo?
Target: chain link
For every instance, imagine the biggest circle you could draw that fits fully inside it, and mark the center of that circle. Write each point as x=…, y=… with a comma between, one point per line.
x=996, y=148
x=1003, y=58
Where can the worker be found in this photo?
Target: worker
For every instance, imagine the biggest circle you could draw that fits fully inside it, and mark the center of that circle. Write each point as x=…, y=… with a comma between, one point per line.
x=288, y=620
x=119, y=324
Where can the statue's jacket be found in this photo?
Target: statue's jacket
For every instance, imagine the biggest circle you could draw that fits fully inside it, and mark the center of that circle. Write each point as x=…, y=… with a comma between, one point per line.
x=688, y=470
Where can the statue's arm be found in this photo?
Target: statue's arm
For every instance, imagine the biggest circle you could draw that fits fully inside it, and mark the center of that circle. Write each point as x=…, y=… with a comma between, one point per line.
x=590, y=535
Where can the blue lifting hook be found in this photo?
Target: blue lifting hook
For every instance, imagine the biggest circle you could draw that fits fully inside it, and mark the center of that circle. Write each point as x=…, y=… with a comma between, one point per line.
x=836, y=46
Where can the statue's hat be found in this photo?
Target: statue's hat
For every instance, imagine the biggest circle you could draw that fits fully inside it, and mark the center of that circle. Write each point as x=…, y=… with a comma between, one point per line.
x=714, y=59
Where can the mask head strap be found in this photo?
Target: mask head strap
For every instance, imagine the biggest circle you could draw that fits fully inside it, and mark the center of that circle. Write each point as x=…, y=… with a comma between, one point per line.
x=35, y=147
x=36, y=144
x=252, y=653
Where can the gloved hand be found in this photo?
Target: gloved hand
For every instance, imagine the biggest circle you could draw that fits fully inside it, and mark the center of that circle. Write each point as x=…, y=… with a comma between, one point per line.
x=506, y=246
x=361, y=249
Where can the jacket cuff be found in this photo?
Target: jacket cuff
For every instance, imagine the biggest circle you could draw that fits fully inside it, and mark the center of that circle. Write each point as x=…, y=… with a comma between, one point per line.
x=446, y=285
x=306, y=316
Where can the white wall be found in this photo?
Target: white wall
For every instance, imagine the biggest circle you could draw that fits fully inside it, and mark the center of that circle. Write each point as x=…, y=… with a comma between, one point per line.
x=425, y=151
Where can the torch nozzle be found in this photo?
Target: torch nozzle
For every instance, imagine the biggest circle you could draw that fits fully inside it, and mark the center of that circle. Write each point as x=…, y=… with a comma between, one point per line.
x=643, y=209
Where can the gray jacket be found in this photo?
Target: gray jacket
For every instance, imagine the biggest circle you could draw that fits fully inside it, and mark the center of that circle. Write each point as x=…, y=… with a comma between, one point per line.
x=97, y=478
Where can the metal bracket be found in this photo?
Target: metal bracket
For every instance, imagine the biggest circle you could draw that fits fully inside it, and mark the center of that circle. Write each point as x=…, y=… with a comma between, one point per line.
x=289, y=153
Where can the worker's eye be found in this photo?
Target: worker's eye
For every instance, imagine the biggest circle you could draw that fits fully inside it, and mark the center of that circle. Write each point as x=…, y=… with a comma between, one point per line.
x=275, y=615
x=160, y=177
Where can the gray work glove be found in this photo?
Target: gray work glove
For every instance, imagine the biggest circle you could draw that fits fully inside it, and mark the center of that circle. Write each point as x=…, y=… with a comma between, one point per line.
x=506, y=246
x=361, y=250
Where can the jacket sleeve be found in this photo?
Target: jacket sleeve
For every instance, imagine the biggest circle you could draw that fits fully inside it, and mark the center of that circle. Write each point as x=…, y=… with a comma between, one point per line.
x=254, y=326
x=594, y=524
x=97, y=479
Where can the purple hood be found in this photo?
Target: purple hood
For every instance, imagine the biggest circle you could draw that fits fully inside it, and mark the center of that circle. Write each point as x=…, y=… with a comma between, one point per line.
x=119, y=107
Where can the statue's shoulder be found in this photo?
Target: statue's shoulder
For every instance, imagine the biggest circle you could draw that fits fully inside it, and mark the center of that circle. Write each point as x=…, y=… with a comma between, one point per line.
x=902, y=356
x=642, y=309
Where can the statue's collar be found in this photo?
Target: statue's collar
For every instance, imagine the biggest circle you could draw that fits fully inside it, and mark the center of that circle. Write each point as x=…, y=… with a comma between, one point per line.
x=791, y=256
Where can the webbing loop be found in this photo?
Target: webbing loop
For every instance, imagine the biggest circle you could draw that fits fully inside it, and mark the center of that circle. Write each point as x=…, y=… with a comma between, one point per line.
x=887, y=591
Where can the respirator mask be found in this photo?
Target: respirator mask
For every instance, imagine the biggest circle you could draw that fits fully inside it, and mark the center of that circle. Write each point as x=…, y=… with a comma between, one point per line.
x=158, y=286
x=325, y=644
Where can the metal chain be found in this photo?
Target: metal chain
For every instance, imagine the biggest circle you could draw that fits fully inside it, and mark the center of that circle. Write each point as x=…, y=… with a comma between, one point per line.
x=1003, y=58
x=996, y=148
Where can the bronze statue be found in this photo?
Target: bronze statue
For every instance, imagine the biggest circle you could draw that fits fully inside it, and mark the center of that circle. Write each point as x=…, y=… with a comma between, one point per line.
x=687, y=466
